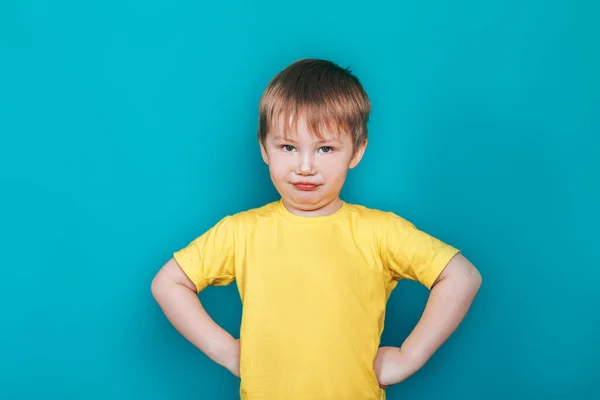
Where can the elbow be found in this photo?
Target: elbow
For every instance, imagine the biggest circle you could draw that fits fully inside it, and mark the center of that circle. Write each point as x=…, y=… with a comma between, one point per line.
x=468, y=279
x=157, y=287
x=475, y=280
x=471, y=276
x=475, y=276
x=154, y=287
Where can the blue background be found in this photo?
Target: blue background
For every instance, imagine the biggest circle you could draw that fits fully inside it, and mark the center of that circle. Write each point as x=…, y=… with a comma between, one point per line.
x=128, y=128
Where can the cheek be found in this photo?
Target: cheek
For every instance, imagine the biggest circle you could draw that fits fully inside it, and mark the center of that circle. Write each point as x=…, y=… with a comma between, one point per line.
x=335, y=167
x=279, y=166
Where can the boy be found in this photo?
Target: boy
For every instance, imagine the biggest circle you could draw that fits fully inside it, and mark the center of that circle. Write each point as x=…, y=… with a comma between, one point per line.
x=314, y=273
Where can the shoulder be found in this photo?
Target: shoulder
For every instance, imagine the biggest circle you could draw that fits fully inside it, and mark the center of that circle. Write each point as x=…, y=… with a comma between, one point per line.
x=377, y=217
x=383, y=226
x=238, y=224
x=252, y=215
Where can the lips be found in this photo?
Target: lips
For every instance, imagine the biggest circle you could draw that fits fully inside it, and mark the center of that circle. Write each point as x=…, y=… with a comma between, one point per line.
x=305, y=186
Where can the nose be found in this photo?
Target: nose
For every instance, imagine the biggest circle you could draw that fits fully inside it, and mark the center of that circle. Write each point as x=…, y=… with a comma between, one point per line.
x=306, y=164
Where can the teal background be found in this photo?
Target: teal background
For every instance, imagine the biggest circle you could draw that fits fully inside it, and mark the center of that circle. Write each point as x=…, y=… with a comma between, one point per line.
x=128, y=128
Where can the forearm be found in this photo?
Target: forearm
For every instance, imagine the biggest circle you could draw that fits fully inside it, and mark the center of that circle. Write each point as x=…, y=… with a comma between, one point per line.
x=184, y=310
x=448, y=303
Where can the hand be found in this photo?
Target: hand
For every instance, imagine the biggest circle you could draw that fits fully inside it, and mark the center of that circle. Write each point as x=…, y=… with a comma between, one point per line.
x=391, y=367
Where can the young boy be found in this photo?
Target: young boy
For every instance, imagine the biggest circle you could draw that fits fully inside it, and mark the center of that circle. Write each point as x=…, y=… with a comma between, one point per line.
x=314, y=273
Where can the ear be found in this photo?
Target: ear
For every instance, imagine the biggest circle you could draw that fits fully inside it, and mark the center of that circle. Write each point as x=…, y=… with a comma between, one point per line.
x=263, y=152
x=358, y=155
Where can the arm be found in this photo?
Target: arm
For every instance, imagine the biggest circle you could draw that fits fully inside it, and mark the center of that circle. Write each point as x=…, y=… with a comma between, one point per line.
x=176, y=295
x=451, y=296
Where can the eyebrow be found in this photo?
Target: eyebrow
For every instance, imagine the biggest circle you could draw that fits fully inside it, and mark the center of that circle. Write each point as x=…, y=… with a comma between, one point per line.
x=332, y=140
x=289, y=139
x=284, y=139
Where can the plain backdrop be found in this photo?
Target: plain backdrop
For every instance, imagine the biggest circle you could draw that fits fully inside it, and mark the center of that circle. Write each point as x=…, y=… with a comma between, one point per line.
x=129, y=127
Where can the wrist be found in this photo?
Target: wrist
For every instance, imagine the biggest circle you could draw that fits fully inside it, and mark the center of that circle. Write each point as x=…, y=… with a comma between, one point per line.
x=233, y=358
x=411, y=359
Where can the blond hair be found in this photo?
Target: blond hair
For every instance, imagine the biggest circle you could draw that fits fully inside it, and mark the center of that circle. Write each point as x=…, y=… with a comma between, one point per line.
x=325, y=95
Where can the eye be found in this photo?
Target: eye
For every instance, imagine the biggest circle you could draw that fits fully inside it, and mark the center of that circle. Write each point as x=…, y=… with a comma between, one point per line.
x=288, y=147
x=326, y=149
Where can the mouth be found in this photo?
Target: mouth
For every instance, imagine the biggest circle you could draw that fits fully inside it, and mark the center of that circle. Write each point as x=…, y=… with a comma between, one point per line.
x=305, y=186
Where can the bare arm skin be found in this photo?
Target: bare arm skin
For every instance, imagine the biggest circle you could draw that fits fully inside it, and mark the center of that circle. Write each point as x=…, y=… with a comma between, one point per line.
x=176, y=295
x=449, y=300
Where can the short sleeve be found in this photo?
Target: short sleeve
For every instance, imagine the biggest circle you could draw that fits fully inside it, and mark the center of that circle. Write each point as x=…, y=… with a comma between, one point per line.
x=410, y=253
x=209, y=259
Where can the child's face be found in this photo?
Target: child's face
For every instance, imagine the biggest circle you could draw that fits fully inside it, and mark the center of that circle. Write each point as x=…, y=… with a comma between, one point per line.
x=309, y=172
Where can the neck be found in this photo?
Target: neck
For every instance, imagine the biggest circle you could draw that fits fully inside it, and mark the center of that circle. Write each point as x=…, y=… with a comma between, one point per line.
x=317, y=210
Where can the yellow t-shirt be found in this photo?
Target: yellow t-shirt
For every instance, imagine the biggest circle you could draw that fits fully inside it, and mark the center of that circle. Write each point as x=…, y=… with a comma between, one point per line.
x=314, y=292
